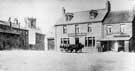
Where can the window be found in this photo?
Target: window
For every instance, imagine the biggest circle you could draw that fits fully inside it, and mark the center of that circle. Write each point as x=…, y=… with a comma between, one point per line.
x=89, y=41
x=89, y=28
x=122, y=28
x=77, y=28
x=109, y=29
x=64, y=40
x=69, y=16
x=64, y=29
x=93, y=14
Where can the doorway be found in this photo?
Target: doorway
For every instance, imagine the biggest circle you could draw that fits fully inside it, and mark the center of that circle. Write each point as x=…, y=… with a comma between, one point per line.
x=76, y=40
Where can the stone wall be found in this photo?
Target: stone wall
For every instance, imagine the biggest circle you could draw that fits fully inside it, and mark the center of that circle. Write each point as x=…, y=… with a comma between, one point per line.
x=13, y=38
x=39, y=42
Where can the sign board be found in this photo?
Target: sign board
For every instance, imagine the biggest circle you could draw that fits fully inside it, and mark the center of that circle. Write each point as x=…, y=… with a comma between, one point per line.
x=32, y=37
x=77, y=34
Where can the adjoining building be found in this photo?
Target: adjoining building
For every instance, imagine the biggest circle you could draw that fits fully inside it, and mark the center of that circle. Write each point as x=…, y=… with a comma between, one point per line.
x=50, y=40
x=118, y=31
x=36, y=37
x=97, y=29
x=13, y=36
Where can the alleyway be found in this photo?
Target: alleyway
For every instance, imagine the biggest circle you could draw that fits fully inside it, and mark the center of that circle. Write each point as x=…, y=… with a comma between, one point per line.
x=54, y=61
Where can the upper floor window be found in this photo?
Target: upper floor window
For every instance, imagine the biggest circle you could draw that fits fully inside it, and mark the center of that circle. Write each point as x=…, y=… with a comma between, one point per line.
x=109, y=29
x=89, y=28
x=69, y=16
x=93, y=14
x=64, y=29
x=122, y=28
x=77, y=28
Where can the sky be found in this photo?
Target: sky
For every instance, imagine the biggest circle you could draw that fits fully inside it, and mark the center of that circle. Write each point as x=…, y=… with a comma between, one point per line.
x=48, y=12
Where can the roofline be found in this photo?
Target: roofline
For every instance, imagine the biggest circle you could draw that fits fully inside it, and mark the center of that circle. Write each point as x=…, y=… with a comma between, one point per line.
x=76, y=23
x=118, y=22
x=87, y=10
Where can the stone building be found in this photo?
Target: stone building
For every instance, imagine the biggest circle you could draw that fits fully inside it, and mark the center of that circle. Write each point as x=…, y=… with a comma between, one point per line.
x=36, y=37
x=13, y=36
x=84, y=27
x=117, y=31
x=97, y=29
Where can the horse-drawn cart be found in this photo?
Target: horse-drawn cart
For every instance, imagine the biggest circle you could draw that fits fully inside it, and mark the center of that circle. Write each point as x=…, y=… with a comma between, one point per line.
x=71, y=47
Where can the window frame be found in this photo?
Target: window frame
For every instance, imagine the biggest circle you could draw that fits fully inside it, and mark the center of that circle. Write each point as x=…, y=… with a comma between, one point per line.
x=109, y=29
x=65, y=39
x=89, y=28
x=64, y=29
x=77, y=28
x=122, y=28
x=89, y=41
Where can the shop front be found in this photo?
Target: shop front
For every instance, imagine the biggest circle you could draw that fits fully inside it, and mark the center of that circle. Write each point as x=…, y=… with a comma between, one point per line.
x=114, y=45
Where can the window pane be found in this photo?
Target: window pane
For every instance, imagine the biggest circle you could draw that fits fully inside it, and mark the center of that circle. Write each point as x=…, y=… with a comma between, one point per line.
x=64, y=29
x=109, y=29
x=122, y=28
x=77, y=28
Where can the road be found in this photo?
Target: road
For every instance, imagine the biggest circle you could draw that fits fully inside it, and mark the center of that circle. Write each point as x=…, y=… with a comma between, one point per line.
x=20, y=60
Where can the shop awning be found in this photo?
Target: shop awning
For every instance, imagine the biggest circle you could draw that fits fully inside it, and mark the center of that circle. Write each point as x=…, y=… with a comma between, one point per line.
x=114, y=39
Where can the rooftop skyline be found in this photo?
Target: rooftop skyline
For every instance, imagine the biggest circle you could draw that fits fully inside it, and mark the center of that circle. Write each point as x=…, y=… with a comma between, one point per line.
x=48, y=12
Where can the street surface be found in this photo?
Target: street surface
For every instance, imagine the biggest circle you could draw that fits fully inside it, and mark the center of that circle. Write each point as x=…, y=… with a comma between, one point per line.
x=19, y=60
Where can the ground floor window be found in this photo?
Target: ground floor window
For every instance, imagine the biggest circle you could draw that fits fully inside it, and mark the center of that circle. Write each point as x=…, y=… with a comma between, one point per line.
x=89, y=41
x=64, y=40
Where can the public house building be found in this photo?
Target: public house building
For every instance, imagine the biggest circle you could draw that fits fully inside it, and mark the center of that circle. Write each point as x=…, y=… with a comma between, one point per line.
x=97, y=29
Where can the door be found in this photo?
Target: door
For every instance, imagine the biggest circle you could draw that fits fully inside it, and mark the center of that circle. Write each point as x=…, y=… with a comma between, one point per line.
x=76, y=40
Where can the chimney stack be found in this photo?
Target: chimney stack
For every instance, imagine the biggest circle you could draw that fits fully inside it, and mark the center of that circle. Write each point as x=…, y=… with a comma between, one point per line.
x=63, y=11
x=134, y=10
x=108, y=5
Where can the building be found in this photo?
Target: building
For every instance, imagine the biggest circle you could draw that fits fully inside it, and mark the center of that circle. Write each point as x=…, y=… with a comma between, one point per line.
x=13, y=36
x=36, y=37
x=50, y=40
x=118, y=31
x=84, y=27
x=98, y=29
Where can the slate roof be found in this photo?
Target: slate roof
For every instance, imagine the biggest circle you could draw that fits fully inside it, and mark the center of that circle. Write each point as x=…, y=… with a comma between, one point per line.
x=83, y=16
x=118, y=17
x=6, y=23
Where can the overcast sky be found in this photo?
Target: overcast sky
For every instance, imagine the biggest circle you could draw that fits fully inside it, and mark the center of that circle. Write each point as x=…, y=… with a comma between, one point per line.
x=48, y=12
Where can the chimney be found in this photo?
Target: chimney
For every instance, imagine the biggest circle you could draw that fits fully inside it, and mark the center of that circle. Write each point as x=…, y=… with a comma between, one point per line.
x=134, y=10
x=108, y=5
x=16, y=21
x=9, y=20
x=63, y=11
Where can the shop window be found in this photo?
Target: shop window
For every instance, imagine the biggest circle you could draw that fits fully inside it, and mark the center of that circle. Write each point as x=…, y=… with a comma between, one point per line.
x=89, y=41
x=64, y=40
x=89, y=28
x=77, y=28
x=122, y=28
x=109, y=29
x=64, y=29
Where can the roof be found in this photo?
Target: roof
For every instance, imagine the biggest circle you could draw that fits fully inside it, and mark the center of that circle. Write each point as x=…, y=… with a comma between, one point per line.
x=6, y=23
x=119, y=17
x=83, y=16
